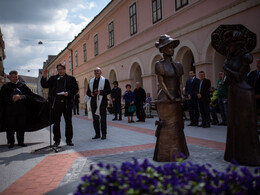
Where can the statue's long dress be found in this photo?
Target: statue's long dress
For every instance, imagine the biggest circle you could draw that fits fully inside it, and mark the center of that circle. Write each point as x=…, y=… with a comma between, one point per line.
x=170, y=138
x=242, y=144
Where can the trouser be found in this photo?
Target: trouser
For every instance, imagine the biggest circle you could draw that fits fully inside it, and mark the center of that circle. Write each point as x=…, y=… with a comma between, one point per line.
x=205, y=113
x=100, y=121
x=214, y=114
x=193, y=111
x=117, y=109
x=86, y=110
x=59, y=109
x=140, y=112
x=19, y=137
x=76, y=109
x=222, y=103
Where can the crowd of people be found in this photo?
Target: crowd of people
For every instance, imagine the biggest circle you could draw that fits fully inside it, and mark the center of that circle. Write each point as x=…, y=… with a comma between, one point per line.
x=207, y=101
x=202, y=99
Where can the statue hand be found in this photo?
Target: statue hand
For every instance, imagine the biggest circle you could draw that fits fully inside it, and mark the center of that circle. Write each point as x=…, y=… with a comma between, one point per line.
x=183, y=99
x=172, y=98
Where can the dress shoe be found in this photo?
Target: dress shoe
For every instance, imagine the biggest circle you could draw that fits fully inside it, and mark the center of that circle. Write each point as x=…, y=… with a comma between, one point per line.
x=22, y=144
x=103, y=137
x=114, y=119
x=56, y=144
x=214, y=123
x=11, y=146
x=120, y=119
x=143, y=121
x=96, y=137
x=222, y=124
x=190, y=124
x=138, y=121
x=70, y=144
x=132, y=121
x=201, y=125
x=206, y=126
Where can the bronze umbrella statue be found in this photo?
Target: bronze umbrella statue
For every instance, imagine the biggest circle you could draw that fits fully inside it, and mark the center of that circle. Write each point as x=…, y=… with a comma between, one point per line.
x=242, y=143
x=171, y=142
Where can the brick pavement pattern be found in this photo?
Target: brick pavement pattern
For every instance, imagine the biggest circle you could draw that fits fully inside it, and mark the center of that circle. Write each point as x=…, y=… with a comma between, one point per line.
x=48, y=174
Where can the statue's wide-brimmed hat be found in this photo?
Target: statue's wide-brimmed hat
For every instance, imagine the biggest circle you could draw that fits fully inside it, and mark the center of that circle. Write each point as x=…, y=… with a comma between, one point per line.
x=166, y=40
x=226, y=34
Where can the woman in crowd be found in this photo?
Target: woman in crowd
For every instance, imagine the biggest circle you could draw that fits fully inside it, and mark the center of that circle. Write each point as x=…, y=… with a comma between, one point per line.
x=129, y=98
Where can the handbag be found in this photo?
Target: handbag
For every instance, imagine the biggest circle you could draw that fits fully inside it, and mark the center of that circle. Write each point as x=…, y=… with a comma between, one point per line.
x=132, y=108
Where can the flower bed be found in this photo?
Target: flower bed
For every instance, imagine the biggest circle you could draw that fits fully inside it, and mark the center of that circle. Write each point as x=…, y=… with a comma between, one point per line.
x=171, y=178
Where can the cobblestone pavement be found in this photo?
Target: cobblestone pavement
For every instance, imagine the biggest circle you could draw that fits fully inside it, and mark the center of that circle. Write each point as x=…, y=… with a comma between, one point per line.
x=24, y=171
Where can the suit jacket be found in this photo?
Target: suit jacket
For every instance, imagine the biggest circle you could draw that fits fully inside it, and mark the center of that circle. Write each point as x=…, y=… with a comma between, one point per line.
x=71, y=87
x=116, y=93
x=190, y=87
x=254, y=80
x=204, y=91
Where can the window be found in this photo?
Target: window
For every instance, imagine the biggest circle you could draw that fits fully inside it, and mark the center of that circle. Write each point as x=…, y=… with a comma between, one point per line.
x=111, y=34
x=69, y=63
x=85, y=52
x=76, y=58
x=64, y=62
x=96, y=44
x=133, y=19
x=180, y=3
x=157, y=10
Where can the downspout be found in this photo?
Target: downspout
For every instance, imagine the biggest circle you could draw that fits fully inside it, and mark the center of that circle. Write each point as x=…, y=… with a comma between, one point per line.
x=71, y=54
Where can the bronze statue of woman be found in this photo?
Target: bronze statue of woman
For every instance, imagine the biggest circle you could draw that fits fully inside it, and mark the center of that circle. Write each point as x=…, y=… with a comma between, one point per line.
x=242, y=143
x=171, y=140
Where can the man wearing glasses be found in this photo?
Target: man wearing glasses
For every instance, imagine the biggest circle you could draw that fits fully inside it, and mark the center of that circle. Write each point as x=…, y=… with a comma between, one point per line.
x=62, y=88
x=98, y=89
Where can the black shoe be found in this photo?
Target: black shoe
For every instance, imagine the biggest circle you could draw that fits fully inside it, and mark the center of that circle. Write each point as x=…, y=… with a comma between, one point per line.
x=132, y=121
x=22, y=144
x=96, y=137
x=56, y=144
x=120, y=119
x=138, y=121
x=201, y=125
x=114, y=119
x=214, y=123
x=103, y=137
x=206, y=126
x=11, y=146
x=70, y=144
x=143, y=121
x=190, y=124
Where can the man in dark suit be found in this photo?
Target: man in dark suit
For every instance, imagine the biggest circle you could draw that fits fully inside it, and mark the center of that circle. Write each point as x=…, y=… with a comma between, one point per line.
x=202, y=89
x=98, y=89
x=116, y=94
x=253, y=79
x=62, y=88
x=193, y=101
x=140, y=97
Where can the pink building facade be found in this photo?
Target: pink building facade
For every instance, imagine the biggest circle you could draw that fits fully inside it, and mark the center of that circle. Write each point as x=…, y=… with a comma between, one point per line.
x=120, y=40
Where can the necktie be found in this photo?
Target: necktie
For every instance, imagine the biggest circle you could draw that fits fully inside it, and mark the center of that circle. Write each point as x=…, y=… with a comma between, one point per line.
x=200, y=85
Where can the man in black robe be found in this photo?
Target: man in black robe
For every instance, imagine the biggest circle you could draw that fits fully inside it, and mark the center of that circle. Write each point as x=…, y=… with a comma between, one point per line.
x=62, y=88
x=140, y=97
x=21, y=110
x=116, y=94
x=98, y=89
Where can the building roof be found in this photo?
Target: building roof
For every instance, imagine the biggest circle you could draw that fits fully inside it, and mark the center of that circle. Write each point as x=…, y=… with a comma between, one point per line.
x=27, y=79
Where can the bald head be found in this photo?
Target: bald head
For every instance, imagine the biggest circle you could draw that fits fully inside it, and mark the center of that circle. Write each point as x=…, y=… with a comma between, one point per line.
x=97, y=72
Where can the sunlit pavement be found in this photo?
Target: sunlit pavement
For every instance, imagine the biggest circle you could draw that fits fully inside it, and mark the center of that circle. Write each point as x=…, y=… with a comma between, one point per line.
x=24, y=171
